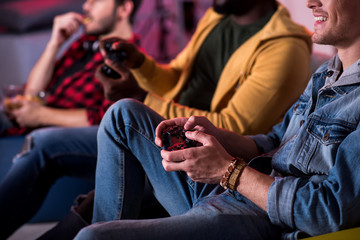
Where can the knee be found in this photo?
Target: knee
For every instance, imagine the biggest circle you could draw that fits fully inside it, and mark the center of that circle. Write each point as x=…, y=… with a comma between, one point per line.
x=123, y=111
x=126, y=106
x=34, y=143
x=41, y=133
x=44, y=137
x=87, y=233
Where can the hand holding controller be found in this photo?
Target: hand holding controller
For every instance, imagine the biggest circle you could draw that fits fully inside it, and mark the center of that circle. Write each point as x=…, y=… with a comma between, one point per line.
x=174, y=139
x=114, y=55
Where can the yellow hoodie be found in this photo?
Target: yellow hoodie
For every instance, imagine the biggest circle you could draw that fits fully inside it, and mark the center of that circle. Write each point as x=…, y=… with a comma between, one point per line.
x=261, y=80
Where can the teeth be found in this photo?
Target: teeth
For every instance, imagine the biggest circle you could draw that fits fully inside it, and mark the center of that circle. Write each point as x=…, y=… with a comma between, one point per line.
x=321, y=19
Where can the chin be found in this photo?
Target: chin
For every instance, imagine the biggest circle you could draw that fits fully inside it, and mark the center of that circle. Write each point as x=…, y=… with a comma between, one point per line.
x=91, y=32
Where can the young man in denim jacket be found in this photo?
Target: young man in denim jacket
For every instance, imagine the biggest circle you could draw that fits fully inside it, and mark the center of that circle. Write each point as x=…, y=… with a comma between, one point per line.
x=252, y=94
x=307, y=181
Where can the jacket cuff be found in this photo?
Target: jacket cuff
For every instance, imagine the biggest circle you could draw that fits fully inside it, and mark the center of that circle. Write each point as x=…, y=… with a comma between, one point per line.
x=145, y=70
x=280, y=201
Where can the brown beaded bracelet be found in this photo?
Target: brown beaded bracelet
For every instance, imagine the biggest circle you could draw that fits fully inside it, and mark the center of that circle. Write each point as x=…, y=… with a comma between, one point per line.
x=233, y=173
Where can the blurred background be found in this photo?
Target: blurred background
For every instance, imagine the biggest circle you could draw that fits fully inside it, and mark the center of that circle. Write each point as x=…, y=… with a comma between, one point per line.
x=164, y=25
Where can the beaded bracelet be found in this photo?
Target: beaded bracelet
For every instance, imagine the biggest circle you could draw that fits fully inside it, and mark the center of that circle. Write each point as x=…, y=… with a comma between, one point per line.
x=232, y=174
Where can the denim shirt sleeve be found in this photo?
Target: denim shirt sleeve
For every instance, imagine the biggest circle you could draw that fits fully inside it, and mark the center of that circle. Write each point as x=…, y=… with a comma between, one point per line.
x=272, y=140
x=329, y=204
x=280, y=201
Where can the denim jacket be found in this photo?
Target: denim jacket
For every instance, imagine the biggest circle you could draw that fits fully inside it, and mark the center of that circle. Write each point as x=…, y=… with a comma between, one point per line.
x=317, y=161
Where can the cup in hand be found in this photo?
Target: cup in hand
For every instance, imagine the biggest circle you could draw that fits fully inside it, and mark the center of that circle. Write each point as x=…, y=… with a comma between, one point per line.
x=12, y=93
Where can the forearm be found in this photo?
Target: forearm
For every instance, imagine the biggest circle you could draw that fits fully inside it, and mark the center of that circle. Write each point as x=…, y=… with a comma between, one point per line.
x=41, y=73
x=155, y=77
x=254, y=186
x=63, y=117
x=238, y=145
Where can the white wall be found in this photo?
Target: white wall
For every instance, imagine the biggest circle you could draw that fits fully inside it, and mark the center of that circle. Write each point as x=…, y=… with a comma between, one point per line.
x=303, y=15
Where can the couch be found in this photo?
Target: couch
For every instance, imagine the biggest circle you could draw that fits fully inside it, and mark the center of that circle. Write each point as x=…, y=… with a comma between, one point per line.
x=62, y=194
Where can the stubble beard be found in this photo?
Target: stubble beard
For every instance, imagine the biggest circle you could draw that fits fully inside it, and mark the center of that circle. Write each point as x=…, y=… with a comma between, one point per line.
x=106, y=24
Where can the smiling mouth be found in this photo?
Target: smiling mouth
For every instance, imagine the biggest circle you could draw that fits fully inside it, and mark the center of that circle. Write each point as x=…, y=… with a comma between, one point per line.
x=321, y=19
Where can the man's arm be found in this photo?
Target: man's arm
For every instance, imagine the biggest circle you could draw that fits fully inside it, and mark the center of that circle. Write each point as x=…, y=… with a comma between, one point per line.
x=63, y=117
x=64, y=26
x=209, y=162
x=325, y=202
x=33, y=114
x=260, y=99
x=255, y=186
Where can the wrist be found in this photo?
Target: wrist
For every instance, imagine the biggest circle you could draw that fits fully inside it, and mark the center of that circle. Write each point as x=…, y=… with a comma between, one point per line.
x=139, y=60
x=53, y=45
x=42, y=115
x=232, y=175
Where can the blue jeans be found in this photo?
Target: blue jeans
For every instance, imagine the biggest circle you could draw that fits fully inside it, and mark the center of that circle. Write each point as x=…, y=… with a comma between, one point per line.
x=127, y=153
x=48, y=154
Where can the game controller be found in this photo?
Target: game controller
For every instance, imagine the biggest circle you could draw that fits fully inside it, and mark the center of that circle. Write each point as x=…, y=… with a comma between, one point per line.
x=114, y=55
x=174, y=139
x=109, y=72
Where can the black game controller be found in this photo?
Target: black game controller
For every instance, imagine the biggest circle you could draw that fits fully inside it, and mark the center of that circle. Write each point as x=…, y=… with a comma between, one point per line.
x=109, y=72
x=114, y=55
x=174, y=139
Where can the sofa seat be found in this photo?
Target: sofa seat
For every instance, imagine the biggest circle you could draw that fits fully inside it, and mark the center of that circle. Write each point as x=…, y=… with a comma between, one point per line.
x=61, y=196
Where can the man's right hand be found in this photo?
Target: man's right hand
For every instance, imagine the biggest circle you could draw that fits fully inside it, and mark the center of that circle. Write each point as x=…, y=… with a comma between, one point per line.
x=125, y=86
x=64, y=26
x=134, y=57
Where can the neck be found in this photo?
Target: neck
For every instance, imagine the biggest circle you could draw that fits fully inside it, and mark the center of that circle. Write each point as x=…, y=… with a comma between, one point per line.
x=121, y=30
x=254, y=15
x=349, y=55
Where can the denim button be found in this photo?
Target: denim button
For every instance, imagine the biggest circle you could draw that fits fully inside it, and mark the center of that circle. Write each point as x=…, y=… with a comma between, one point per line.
x=302, y=123
x=296, y=107
x=326, y=136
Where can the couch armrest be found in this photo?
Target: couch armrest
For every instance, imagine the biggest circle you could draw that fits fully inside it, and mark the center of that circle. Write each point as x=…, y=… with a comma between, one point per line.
x=348, y=234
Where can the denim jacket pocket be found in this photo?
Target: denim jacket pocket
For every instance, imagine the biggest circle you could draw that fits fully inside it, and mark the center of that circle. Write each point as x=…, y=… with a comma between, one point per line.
x=330, y=131
x=325, y=136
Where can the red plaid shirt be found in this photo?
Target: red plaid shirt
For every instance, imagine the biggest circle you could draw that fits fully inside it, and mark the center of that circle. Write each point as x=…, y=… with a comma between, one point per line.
x=81, y=89
x=78, y=90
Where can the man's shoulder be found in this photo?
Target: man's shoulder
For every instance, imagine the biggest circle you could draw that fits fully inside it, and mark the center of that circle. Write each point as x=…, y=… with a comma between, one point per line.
x=282, y=25
x=211, y=16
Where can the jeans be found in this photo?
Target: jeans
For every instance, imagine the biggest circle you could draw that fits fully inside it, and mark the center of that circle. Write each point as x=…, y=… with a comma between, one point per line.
x=127, y=153
x=48, y=154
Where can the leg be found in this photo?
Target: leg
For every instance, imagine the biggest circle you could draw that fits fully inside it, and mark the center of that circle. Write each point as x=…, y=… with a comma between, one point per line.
x=47, y=155
x=126, y=152
x=220, y=216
